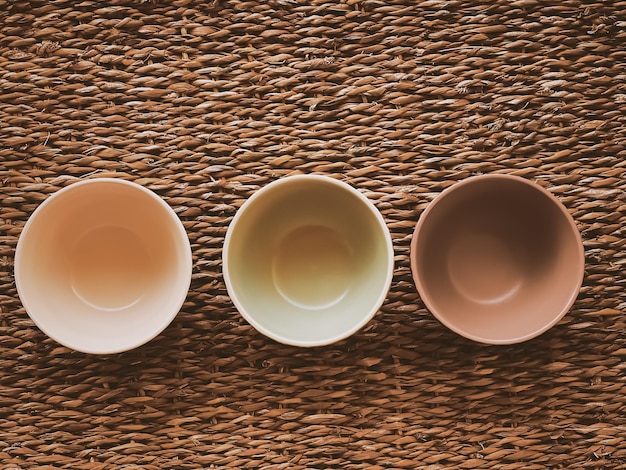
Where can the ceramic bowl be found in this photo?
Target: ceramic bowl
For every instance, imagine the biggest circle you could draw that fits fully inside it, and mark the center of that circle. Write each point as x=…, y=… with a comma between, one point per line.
x=103, y=265
x=308, y=260
x=497, y=259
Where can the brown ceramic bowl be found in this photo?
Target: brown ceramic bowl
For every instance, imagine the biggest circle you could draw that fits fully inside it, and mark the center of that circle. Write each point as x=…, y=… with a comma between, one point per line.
x=497, y=259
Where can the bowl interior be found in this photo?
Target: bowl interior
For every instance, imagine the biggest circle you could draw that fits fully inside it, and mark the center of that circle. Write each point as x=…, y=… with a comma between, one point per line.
x=308, y=261
x=103, y=266
x=497, y=259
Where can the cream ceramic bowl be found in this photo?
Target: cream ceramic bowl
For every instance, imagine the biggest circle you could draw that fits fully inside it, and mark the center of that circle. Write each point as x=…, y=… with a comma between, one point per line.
x=103, y=265
x=308, y=260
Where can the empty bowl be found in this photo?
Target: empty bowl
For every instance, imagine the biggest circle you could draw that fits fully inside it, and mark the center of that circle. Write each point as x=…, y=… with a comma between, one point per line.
x=103, y=265
x=308, y=260
x=497, y=259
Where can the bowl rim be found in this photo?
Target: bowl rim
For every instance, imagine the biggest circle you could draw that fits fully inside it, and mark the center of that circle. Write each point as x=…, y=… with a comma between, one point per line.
x=181, y=236
x=418, y=276
x=318, y=179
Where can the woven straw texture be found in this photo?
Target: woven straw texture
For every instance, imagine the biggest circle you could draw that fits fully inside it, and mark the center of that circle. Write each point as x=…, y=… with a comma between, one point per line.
x=204, y=102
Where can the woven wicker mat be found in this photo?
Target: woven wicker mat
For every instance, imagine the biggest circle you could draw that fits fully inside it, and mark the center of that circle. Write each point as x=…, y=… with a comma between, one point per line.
x=205, y=102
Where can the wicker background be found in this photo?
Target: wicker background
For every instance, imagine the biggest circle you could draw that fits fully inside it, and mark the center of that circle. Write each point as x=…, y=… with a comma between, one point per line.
x=206, y=101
